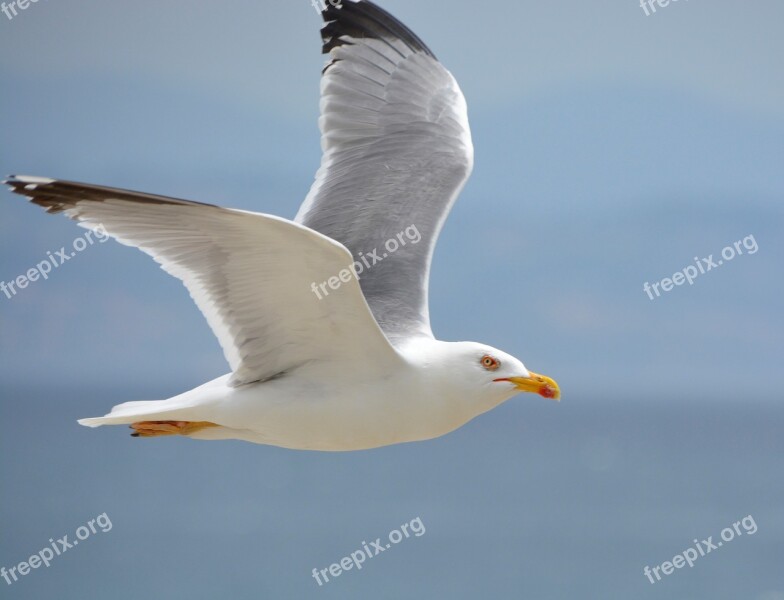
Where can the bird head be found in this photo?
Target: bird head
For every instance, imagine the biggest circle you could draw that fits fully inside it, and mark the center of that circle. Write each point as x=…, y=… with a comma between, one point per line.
x=494, y=374
x=504, y=371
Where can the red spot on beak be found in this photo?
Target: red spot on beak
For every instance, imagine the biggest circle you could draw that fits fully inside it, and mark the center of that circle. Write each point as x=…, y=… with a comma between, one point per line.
x=547, y=392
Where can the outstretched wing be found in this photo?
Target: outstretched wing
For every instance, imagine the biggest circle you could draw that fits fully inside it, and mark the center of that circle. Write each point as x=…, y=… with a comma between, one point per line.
x=250, y=274
x=397, y=151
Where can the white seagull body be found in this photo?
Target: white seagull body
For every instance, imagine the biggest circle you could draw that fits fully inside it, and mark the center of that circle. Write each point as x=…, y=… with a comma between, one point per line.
x=350, y=363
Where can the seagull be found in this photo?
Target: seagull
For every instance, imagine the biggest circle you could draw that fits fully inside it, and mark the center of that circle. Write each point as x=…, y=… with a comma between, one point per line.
x=324, y=320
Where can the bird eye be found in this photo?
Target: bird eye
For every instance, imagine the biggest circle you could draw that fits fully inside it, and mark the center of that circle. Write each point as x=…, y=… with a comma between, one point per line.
x=490, y=363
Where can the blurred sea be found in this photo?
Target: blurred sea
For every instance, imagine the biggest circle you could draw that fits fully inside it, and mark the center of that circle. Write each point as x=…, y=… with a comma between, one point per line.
x=534, y=500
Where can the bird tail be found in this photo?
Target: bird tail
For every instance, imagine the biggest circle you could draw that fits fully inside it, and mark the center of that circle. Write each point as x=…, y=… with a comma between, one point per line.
x=142, y=410
x=194, y=405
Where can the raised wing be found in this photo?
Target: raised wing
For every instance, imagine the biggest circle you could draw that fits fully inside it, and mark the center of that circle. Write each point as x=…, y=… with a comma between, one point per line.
x=250, y=274
x=397, y=151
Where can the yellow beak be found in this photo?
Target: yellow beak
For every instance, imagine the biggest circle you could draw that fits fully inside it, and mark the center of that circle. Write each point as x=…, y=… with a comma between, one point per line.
x=538, y=384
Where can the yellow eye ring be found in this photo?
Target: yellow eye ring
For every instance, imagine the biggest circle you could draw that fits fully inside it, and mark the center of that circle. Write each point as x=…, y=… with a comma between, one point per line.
x=490, y=362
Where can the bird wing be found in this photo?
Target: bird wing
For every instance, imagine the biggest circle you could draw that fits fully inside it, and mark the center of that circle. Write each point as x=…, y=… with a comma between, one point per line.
x=250, y=274
x=396, y=152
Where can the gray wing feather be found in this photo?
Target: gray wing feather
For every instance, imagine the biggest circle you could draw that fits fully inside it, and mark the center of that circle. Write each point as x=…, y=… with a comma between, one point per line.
x=397, y=151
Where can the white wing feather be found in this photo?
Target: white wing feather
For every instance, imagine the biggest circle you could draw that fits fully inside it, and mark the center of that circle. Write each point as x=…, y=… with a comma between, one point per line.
x=250, y=274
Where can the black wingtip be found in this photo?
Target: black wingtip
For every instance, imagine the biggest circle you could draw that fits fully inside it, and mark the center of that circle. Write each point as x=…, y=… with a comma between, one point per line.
x=36, y=189
x=57, y=195
x=363, y=19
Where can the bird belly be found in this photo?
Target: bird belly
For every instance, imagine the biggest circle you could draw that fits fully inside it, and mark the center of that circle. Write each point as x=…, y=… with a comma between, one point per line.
x=309, y=415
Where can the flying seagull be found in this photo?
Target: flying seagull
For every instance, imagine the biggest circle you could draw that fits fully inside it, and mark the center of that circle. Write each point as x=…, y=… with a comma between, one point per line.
x=328, y=338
